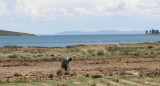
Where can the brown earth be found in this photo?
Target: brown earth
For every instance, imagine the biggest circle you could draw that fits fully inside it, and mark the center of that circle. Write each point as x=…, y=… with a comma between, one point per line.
x=45, y=69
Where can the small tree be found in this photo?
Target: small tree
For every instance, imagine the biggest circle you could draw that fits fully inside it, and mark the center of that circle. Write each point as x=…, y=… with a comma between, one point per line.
x=153, y=31
x=157, y=31
x=146, y=31
x=150, y=32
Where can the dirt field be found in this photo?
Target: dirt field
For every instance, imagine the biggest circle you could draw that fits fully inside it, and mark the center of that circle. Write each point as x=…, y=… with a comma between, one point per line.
x=45, y=69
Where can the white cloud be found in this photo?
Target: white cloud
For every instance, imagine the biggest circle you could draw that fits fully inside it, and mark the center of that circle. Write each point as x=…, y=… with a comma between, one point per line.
x=50, y=9
x=2, y=7
x=65, y=12
x=83, y=11
x=100, y=8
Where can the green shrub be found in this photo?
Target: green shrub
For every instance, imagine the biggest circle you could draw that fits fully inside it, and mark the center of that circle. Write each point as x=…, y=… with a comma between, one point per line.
x=158, y=53
x=126, y=53
x=146, y=53
x=96, y=76
x=152, y=52
x=13, y=55
x=25, y=81
x=93, y=54
x=40, y=55
x=137, y=53
x=24, y=56
x=35, y=56
x=116, y=79
x=52, y=55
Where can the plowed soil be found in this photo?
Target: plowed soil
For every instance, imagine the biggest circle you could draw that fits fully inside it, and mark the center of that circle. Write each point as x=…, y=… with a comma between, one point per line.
x=45, y=69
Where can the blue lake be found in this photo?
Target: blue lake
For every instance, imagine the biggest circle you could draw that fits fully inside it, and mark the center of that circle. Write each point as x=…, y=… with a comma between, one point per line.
x=66, y=40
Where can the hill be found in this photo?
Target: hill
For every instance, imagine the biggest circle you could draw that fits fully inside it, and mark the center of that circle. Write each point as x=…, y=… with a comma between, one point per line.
x=11, y=33
x=99, y=32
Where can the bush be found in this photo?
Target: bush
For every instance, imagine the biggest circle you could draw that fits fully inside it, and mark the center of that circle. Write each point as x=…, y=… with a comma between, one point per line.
x=146, y=53
x=24, y=56
x=93, y=54
x=101, y=51
x=137, y=53
x=91, y=50
x=158, y=53
x=60, y=72
x=116, y=79
x=96, y=76
x=40, y=55
x=152, y=52
x=13, y=56
x=35, y=56
x=126, y=53
x=149, y=47
x=52, y=55
x=67, y=72
x=84, y=51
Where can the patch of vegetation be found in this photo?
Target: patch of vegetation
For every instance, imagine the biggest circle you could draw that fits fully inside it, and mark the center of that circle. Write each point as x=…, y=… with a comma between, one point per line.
x=88, y=81
x=84, y=51
x=137, y=53
x=116, y=79
x=15, y=55
x=81, y=51
x=101, y=51
x=60, y=72
x=97, y=76
x=31, y=80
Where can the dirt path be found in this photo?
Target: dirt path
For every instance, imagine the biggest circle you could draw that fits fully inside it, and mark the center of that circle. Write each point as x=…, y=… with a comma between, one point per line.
x=46, y=69
x=130, y=82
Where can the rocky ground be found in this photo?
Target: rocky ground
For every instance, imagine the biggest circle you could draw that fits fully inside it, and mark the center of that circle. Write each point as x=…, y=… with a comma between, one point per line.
x=45, y=69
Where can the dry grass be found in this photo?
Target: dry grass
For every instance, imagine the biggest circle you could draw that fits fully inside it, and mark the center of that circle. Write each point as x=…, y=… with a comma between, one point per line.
x=85, y=51
x=60, y=72
x=101, y=51
x=67, y=72
x=91, y=49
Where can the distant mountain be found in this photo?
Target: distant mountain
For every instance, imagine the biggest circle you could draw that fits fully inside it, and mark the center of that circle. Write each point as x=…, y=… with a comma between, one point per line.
x=99, y=32
x=11, y=33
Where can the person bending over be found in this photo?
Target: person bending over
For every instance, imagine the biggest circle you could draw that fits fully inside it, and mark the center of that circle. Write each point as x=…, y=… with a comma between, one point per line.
x=65, y=63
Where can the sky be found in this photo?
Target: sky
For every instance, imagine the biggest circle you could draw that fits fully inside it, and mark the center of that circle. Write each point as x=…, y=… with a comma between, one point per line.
x=54, y=16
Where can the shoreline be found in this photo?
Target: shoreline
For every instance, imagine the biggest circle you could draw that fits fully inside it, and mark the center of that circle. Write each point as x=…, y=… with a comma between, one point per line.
x=20, y=36
x=83, y=45
x=65, y=41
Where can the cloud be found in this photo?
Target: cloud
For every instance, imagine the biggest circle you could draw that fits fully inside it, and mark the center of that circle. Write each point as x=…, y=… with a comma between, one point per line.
x=100, y=8
x=152, y=8
x=41, y=9
x=83, y=11
x=3, y=9
x=51, y=9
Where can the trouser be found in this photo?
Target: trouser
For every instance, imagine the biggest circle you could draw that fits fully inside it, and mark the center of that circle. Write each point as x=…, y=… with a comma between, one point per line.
x=64, y=67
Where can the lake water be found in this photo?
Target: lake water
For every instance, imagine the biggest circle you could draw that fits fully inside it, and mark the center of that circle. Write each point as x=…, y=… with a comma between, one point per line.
x=66, y=40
